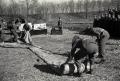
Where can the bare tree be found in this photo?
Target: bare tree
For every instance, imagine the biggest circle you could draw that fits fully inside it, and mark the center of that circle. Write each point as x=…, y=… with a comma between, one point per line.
x=99, y=3
x=106, y=4
x=86, y=8
x=1, y=7
x=28, y=2
x=79, y=5
x=115, y=3
x=33, y=6
x=30, y=7
x=71, y=6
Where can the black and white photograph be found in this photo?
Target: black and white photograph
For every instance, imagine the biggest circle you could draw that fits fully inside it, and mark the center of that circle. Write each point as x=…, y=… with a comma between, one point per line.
x=59, y=40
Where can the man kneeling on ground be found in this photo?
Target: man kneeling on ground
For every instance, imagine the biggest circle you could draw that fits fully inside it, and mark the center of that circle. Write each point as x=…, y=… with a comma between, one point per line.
x=27, y=37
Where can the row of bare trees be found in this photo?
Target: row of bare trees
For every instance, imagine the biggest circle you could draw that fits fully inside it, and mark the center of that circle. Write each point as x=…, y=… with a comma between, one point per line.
x=30, y=7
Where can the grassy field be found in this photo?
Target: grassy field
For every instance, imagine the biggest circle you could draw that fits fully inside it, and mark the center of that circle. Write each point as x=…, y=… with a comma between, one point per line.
x=17, y=64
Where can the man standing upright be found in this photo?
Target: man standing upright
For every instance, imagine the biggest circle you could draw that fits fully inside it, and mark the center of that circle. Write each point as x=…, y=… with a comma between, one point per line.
x=95, y=22
x=1, y=31
x=60, y=24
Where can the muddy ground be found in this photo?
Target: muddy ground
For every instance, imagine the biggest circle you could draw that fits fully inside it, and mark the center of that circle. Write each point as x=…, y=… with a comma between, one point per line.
x=18, y=64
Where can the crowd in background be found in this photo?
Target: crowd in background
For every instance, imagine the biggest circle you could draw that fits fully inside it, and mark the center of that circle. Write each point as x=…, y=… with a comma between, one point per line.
x=109, y=20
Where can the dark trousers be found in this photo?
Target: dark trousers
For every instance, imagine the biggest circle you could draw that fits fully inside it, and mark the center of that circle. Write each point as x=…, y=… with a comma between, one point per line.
x=14, y=33
x=60, y=28
x=102, y=44
x=87, y=48
x=1, y=36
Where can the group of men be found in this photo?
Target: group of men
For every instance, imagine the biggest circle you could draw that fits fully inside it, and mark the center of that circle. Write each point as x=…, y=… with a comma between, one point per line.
x=13, y=26
x=84, y=52
x=103, y=26
x=87, y=47
x=109, y=20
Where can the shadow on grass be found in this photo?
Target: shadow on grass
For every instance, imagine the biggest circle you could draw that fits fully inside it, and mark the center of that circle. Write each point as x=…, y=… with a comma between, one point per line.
x=66, y=54
x=45, y=68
